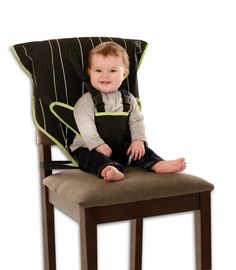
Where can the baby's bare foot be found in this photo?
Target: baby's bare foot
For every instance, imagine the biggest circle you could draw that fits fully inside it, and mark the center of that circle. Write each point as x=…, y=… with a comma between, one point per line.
x=170, y=166
x=111, y=173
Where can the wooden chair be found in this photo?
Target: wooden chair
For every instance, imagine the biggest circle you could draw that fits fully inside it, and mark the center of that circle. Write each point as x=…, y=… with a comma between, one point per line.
x=51, y=65
x=174, y=193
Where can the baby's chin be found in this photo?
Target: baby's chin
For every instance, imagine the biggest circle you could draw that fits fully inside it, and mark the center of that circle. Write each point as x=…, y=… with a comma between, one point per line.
x=107, y=90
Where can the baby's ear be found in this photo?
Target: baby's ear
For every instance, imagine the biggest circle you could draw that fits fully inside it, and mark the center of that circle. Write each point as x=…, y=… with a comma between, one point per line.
x=126, y=73
x=88, y=71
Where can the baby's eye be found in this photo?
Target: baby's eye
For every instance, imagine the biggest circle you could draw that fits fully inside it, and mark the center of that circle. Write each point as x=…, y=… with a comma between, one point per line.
x=97, y=70
x=113, y=70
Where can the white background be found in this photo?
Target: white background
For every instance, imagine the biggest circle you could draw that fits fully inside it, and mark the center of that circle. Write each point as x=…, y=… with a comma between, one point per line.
x=187, y=84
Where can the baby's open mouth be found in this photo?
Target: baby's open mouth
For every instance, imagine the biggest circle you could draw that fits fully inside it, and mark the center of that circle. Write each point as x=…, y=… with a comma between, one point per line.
x=105, y=82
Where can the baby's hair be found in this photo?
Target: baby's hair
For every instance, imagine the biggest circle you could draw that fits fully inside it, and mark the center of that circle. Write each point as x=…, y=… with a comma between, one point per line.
x=110, y=48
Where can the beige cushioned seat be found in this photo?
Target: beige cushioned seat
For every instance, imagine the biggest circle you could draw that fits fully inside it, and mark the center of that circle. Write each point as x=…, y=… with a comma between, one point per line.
x=87, y=190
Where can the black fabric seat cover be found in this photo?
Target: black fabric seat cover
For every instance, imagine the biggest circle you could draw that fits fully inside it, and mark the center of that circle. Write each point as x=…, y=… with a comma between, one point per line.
x=58, y=71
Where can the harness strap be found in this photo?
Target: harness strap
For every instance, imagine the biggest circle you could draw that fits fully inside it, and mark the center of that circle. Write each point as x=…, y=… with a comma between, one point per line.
x=97, y=99
x=99, y=104
x=126, y=100
x=57, y=165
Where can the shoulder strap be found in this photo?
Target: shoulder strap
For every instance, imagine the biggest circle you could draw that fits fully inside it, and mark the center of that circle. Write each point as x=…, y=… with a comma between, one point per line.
x=97, y=100
x=126, y=100
x=99, y=104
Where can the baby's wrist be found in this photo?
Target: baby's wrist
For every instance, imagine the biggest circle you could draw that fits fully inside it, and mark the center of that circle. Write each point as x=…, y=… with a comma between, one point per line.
x=138, y=140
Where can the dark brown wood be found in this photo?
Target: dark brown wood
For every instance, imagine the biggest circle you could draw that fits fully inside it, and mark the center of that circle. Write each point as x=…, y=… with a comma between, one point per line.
x=48, y=232
x=43, y=139
x=141, y=209
x=47, y=214
x=134, y=211
x=88, y=236
x=45, y=155
x=136, y=243
x=203, y=232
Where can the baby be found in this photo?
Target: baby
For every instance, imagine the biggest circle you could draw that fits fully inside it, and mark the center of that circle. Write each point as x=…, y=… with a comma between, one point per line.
x=110, y=122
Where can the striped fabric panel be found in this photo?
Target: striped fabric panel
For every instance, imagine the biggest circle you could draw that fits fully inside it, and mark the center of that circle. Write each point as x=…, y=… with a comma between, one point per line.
x=55, y=79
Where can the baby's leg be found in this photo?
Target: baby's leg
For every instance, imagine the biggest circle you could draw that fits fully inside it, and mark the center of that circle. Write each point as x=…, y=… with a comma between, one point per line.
x=95, y=162
x=111, y=173
x=169, y=166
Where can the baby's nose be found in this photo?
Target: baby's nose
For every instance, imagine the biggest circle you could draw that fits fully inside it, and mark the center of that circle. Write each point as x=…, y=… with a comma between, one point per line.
x=105, y=74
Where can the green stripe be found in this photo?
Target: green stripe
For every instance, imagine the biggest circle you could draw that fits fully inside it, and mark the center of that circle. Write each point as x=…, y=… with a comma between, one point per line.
x=111, y=114
x=53, y=70
x=43, y=114
x=55, y=87
x=139, y=104
x=60, y=104
x=143, y=54
x=19, y=61
x=34, y=74
x=52, y=138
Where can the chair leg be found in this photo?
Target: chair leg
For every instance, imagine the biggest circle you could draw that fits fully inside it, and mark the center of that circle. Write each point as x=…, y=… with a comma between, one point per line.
x=48, y=232
x=203, y=233
x=136, y=241
x=88, y=236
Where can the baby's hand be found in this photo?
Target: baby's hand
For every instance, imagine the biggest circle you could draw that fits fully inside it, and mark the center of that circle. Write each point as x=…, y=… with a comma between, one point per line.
x=136, y=149
x=104, y=149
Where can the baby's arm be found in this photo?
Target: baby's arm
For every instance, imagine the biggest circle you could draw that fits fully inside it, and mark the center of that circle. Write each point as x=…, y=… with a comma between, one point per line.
x=136, y=122
x=137, y=130
x=84, y=117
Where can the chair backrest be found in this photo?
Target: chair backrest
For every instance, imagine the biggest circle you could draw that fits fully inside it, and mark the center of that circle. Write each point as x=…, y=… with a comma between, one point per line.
x=57, y=69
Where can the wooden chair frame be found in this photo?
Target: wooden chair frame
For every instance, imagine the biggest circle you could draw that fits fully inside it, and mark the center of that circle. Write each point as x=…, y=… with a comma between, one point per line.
x=134, y=211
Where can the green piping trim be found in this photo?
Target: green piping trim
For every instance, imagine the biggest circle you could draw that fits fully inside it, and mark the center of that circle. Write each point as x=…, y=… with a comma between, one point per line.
x=111, y=114
x=34, y=113
x=139, y=104
x=52, y=138
x=20, y=63
x=143, y=54
x=34, y=75
x=61, y=104
x=54, y=83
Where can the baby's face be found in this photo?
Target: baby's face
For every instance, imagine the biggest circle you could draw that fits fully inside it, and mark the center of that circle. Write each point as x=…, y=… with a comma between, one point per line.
x=107, y=73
